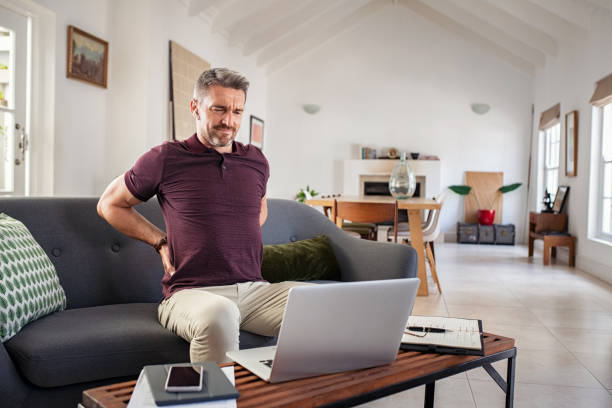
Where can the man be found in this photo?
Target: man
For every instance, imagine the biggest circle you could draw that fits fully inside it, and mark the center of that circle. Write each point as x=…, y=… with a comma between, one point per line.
x=212, y=192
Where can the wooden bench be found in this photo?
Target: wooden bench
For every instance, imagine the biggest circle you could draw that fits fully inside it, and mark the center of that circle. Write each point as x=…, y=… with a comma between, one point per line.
x=349, y=388
x=552, y=229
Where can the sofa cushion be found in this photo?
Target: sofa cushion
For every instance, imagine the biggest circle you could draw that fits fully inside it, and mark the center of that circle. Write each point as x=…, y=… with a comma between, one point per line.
x=309, y=259
x=79, y=345
x=29, y=286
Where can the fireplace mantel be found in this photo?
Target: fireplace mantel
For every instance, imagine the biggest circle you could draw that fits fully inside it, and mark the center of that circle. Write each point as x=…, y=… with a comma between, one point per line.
x=354, y=170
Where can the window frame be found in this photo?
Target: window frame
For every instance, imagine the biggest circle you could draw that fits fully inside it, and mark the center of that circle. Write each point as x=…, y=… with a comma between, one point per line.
x=601, y=164
x=547, y=135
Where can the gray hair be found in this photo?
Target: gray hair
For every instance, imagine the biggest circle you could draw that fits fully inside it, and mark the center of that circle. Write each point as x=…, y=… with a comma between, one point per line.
x=219, y=76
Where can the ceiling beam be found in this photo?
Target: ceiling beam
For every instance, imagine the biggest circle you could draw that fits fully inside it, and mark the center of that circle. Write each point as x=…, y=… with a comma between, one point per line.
x=261, y=20
x=478, y=39
x=234, y=11
x=304, y=33
x=511, y=25
x=199, y=6
x=487, y=30
x=304, y=16
x=536, y=17
x=571, y=11
x=325, y=32
x=601, y=5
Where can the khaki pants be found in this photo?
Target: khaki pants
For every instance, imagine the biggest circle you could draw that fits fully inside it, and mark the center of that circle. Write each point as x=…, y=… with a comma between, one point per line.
x=210, y=318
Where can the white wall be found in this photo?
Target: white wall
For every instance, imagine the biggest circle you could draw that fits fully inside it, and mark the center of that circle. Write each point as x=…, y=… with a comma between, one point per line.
x=570, y=79
x=100, y=132
x=80, y=108
x=398, y=80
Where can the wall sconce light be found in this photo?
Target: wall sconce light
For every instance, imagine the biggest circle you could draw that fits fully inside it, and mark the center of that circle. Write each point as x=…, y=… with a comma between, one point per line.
x=480, y=108
x=311, y=108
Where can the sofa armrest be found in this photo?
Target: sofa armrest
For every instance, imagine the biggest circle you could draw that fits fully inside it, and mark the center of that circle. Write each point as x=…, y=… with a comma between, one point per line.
x=362, y=260
x=12, y=389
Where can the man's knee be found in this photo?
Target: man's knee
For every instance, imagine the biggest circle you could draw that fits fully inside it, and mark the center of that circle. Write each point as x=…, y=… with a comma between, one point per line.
x=218, y=318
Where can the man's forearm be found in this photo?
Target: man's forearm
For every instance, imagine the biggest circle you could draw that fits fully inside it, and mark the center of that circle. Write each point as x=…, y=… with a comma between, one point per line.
x=129, y=222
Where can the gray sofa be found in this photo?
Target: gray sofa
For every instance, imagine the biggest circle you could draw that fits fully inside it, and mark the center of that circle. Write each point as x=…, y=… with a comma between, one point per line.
x=112, y=283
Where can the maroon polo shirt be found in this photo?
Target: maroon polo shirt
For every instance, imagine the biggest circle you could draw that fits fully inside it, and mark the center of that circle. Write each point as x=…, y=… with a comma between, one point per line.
x=211, y=204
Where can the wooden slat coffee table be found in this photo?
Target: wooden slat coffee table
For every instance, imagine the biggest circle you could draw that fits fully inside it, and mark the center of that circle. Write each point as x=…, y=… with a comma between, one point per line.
x=410, y=369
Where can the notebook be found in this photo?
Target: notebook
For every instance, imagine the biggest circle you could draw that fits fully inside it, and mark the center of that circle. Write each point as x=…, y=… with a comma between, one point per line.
x=142, y=397
x=462, y=336
x=217, y=385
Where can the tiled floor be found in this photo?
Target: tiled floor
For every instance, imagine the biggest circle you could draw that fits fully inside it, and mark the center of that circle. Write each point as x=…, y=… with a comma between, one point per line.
x=560, y=317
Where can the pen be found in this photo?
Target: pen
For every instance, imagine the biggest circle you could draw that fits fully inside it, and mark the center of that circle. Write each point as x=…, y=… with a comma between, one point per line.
x=427, y=329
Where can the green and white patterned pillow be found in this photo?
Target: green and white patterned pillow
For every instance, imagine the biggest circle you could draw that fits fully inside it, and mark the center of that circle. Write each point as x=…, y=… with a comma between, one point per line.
x=29, y=286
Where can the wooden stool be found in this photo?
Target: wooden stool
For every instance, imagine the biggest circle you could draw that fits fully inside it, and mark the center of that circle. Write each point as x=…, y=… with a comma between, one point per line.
x=552, y=229
x=551, y=242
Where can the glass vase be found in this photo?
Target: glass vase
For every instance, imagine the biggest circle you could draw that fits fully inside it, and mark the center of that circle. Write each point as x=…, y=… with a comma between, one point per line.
x=402, y=182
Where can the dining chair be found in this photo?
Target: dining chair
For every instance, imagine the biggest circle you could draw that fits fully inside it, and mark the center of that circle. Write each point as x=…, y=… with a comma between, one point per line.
x=356, y=230
x=431, y=231
x=364, y=212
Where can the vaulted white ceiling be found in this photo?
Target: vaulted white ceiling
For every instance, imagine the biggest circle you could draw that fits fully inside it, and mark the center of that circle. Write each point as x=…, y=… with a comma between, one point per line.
x=277, y=32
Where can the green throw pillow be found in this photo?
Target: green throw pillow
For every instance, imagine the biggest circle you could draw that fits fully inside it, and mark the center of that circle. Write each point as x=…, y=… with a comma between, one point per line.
x=29, y=286
x=310, y=259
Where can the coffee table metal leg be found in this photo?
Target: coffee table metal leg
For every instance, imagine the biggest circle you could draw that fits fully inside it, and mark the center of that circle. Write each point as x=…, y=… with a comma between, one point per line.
x=430, y=390
x=510, y=382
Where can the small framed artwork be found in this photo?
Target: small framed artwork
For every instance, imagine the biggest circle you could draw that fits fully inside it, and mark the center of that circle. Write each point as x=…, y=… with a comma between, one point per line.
x=560, y=199
x=256, y=136
x=87, y=57
x=571, y=143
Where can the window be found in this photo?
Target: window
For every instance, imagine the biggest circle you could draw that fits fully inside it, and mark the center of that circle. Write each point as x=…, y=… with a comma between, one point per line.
x=552, y=140
x=606, y=173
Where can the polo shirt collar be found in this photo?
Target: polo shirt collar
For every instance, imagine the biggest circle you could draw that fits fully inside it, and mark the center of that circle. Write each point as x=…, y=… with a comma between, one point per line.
x=194, y=144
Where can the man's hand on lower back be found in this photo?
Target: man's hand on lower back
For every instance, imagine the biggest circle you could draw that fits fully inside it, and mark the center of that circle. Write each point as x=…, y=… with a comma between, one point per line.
x=165, y=256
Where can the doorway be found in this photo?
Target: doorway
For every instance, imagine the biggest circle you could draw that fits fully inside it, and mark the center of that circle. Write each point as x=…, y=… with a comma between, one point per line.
x=14, y=69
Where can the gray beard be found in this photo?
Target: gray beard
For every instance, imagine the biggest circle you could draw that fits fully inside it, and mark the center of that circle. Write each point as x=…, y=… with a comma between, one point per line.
x=214, y=141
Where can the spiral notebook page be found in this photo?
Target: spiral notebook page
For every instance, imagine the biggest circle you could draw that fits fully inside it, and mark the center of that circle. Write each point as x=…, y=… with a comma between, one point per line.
x=461, y=333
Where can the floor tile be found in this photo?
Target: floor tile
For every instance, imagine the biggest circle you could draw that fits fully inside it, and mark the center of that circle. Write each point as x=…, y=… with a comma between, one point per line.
x=500, y=315
x=575, y=319
x=582, y=340
x=599, y=365
x=487, y=394
x=527, y=337
x=450, y=392
x=547, y=367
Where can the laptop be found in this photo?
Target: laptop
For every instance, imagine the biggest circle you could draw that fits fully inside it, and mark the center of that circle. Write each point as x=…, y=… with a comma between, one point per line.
x=335, y=327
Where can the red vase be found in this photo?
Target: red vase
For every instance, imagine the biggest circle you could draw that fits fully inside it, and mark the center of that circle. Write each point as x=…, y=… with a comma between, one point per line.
x=486, y=217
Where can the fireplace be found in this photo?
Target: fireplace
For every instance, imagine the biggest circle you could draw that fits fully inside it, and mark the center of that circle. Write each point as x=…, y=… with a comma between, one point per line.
x=382, y=188
x=371, y=177
x=371, y=185
x=379, y=185
x=357, y=172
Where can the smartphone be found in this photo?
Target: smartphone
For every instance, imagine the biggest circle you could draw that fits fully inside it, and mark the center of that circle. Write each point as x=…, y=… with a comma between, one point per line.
x=184, y=379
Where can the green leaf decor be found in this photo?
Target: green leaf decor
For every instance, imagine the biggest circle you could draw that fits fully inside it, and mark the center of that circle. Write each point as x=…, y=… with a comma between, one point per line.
x=461, y=190
x=509, y=188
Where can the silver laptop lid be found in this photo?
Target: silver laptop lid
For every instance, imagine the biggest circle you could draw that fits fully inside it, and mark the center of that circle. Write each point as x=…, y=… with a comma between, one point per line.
x=342, y=326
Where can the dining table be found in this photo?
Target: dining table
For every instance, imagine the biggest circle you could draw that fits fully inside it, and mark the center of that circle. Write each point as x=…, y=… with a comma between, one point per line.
x=413, y=206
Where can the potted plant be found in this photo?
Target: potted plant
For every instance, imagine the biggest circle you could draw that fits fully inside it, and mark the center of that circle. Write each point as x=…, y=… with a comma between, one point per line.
x=306, y=194
x=486, y=215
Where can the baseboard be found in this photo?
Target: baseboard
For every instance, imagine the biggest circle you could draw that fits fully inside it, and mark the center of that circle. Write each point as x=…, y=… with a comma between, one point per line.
x=584, y=263
x=603, y=272
x=450, y=237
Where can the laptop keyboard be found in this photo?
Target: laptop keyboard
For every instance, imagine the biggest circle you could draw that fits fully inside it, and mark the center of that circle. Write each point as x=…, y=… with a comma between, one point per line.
x=266, y=362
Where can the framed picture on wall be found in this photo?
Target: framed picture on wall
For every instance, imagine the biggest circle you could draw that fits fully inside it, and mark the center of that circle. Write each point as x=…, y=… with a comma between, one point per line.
x=560, y=199
x=256, y=136
x=87, y=58
x=571, y=143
